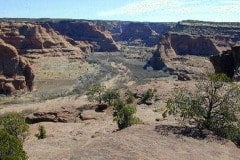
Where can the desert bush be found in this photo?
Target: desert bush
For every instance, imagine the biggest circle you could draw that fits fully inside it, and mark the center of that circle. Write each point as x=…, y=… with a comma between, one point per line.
x=11, y=147
x=41, y=132
x=214, y=106
x=148, y=96
x=95, y=93
x=14, y=124
x=110, y=95
x=124, y=114
x=129, y=97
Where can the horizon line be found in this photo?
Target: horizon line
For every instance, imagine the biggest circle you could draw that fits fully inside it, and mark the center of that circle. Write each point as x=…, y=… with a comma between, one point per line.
x=51, y=18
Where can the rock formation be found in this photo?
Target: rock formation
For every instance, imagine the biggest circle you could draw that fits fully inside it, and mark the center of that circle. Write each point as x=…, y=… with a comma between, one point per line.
x=173, y=44
x=165, y=49
x=139, y=34
x=32, y=38
x=86, y=31
x=228, y=62
x=224, y=34
x=15, y=71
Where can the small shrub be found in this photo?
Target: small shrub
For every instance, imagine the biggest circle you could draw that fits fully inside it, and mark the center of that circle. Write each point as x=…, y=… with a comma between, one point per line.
x=129, y=97
x=148, y=96
x=95, y=93
x=110, y=95
x=11, y=147
x=14, y=124
x=42, y=132
x=124, y=114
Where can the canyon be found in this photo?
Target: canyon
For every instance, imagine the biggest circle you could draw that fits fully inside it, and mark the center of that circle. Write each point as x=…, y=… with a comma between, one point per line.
x=77, y=39
x=48, y=65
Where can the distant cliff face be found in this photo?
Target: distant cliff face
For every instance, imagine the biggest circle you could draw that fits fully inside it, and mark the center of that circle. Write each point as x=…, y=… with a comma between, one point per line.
x=33, y=38
x=208, y=29
x=136, y=33
x=15, y=71
x=224, y=35
x=193, y=45
x=85, y=31
x=173, y=44
x=139, y=34
x=228, y=62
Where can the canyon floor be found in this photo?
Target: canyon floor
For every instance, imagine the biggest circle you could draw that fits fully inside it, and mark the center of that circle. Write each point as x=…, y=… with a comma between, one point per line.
x=61, y=84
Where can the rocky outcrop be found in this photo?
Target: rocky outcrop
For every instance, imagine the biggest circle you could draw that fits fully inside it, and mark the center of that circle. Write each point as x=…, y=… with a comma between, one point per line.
x=173, y=45
x=63, y=114
x=86, y=31
x=139, y=34
x=224, y=35
x=15, y=71
x=218, y=31
x=136, y=33
x=228, y=63
x=165, y=49
x=193, y=45
x=33, y=38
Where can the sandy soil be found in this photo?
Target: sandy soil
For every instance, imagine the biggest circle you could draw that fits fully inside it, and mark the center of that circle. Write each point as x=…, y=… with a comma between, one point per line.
x=97, y=139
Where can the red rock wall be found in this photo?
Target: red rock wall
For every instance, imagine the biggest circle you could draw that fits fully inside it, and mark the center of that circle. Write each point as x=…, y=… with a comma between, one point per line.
x=33, y=38
x=15, y=71
x=85, y=31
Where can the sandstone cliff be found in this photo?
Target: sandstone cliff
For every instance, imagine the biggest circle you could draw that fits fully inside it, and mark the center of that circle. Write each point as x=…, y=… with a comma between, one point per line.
x=32, y=38
x=228, y=62
x=15, y=71
x=140, y=34
x=224, y=34
x=86, y=31
x=173, y=44
x=136, y=33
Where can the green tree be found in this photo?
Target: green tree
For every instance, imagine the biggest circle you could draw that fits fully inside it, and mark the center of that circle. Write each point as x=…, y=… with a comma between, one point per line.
x=42, y=132
x=11, y=147
x=124, y=114
x=215, y=106
x=14, y=124
x=110, y=95
x=95, y=93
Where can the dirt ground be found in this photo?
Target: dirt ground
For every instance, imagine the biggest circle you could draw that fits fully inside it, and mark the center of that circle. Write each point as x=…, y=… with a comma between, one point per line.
x=98, y=138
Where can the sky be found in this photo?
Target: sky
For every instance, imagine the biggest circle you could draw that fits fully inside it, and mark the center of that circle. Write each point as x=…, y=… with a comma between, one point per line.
x=126, y=10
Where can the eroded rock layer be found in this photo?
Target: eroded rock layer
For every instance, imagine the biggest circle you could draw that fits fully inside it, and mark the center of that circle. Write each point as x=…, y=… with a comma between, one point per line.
x=15, y=71
x=173, y=44
x=34, y=39
x=85, y=31
x=139, y=34
x=228, y=62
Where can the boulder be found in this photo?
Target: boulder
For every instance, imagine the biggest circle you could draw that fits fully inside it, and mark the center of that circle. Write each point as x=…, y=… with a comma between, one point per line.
x=101, y=107
x=63, y=114
x=88, y=115
x=44, y=117
x=183, y=77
